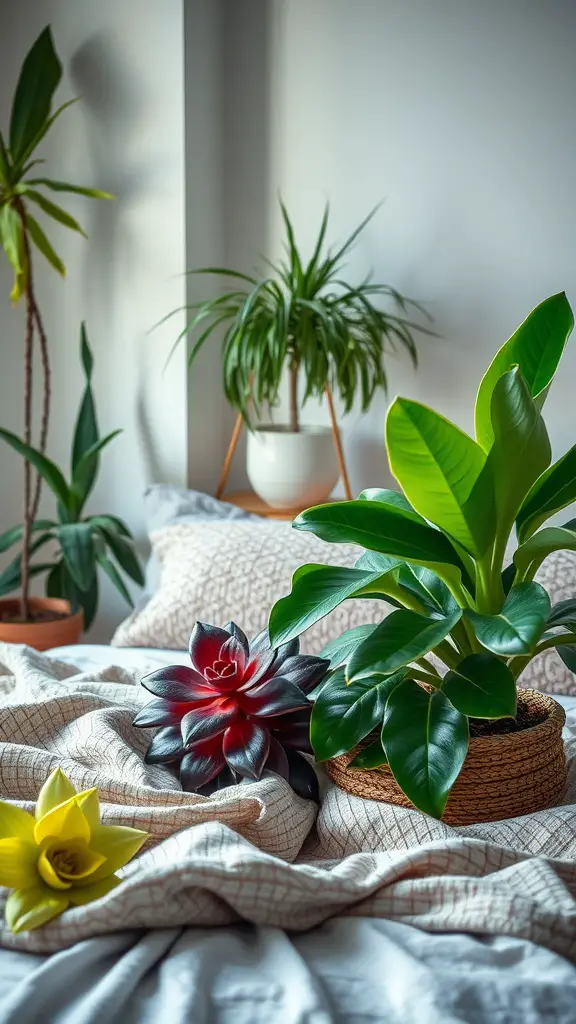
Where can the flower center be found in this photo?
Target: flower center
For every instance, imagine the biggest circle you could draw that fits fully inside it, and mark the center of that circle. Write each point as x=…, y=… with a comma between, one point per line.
x=62, y=863
x=220, y=670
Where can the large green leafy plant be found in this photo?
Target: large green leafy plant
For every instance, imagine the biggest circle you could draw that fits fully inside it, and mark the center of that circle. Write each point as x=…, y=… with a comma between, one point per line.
x=20, y=234
x=305, y=319
x=437, y=552
x=81, y=543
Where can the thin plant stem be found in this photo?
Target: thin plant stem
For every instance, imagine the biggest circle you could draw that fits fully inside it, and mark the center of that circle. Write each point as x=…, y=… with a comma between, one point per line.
x=46, y=395
x=27, y=511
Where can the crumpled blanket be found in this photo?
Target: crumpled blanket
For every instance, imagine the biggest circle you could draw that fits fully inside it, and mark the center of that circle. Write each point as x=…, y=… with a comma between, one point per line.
x=258, y=852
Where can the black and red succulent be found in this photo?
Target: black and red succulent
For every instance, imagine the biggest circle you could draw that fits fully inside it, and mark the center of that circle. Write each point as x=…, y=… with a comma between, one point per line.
x=241, y=709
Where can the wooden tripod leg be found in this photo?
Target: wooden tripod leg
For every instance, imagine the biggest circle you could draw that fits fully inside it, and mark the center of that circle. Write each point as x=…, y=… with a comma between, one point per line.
x=229, y=456
x=338, y=445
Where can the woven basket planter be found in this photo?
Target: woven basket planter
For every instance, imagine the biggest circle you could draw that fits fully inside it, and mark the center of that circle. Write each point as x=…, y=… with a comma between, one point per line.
x=502, y=777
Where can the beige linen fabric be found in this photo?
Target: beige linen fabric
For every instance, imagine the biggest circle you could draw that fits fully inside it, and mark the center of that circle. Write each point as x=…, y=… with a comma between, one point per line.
x=220, y=570
x=249, y=852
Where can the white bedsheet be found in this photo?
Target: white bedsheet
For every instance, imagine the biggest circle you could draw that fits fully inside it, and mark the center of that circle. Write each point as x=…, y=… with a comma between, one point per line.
x=348, y=970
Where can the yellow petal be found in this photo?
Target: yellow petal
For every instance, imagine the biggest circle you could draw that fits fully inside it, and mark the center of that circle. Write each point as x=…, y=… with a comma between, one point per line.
x=63, y=822
x=89, y=804
x=30, y=908
x=55, y=791
x=118, y=844
x=78, y=896
x=18, y=864
x=15, y=822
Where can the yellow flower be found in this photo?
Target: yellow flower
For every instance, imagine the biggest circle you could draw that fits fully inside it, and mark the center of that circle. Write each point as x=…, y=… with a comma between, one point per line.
x=62, y=855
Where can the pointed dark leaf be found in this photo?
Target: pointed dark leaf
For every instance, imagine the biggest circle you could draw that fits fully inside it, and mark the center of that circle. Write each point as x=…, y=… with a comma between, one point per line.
x=277, y=760
x=274, y=697
x=209, y=720
x=159, y=712
x=302, y=777
x=246, y=746
x=178, y=683
x=198, y=768
x=166, y=746
x=305, y=671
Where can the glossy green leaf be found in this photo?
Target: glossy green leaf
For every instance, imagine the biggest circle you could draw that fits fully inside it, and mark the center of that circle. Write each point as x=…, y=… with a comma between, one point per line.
x=426, y=741
x=553, y=490
x=563, y=614
x=536, y=347
x=78, y=552
x=430, y=590
x=64, y=186
x=341, y=648
x=401, y=638
x=45, y=247
x=10, y=577
x=521, y=449
x=85, y=470
x=568, y=655
x=372, y=756
x=316, y=591
x=442, y=472
x=383, y=528
x=481, y=686
x=40, y=75
x=519, y=626
x=388, y=497
x=343, y=715
x=48, y=470
x=115, y=577
x=529, y=556
x=54, y=211
x=123, y=550
x=88, y=601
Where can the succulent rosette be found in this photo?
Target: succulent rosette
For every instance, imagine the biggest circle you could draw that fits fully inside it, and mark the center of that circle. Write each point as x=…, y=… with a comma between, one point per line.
x=240, y=709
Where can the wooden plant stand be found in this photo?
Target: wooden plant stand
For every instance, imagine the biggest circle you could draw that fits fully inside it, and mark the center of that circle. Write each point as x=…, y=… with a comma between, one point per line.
x=249, y=501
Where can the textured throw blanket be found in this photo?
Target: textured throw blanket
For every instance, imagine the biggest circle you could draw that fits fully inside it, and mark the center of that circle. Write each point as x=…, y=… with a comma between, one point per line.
x=255, y=852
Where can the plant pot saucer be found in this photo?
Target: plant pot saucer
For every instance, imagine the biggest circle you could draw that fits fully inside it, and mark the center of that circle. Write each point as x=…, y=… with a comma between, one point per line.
x=250, y=502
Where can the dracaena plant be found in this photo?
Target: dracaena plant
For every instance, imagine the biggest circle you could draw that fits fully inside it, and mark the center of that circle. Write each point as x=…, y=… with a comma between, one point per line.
x=436, y=551
x=239, y=710
x=305, y=319
x=21, y=235
x=82, y=543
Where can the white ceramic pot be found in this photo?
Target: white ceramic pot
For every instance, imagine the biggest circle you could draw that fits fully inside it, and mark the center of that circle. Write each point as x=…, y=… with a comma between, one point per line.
x=292, y=470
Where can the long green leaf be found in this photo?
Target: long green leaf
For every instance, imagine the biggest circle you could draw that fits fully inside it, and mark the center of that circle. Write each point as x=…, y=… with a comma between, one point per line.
x=316, y=591
x=112, y=523
x=563, y=614
x=426, y=741
x=520, y=624
x=115, y=577
x=15, y=533
x=521, y=449
x=401, y=638
x=54, y=211
x=40, y=75
x=441, y=471
x=529, y=556
x=343, y=715
x=64, y=186
x=385, y=528
x=11, y=579
x=553, y=491
x=123, y=551
x=78, y=553
x=41, y=242
x=48, y=470
x=342, y=647
x=84, y=472
x=536, y=347
x=482, y=686
x=12, y=236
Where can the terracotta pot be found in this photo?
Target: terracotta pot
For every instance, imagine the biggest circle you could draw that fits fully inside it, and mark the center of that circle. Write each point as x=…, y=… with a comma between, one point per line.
x=503, y=776
x=41, y=635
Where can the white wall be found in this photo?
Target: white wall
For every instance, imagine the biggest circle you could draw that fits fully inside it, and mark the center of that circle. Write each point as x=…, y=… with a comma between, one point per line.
x=126, y=59
x=461, y=115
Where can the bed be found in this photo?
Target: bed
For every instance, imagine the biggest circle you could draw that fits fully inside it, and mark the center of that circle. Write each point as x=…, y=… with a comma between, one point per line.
x=349, y=968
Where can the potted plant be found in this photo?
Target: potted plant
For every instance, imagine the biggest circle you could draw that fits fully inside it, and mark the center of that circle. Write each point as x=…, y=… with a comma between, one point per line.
x=325, y=333
x=77, y=544
x=20, y=234
x=452, y=737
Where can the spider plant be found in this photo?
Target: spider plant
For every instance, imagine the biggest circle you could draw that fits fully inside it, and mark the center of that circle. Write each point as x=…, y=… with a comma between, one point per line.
x=303, y=317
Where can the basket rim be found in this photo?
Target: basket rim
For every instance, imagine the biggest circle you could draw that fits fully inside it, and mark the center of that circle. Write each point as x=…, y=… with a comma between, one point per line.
x=556, y=716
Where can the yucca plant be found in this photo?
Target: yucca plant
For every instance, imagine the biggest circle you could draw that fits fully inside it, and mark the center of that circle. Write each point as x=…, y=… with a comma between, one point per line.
x=436, y=551
x=82, y=543
x=20, y=234
x=304, y=318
